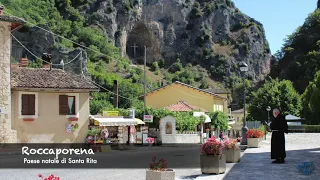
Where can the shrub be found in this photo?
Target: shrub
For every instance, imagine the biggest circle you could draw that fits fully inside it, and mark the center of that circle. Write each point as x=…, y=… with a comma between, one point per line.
x=155, y=66
x=312, y=128
x=238, y=26
x=161, y=165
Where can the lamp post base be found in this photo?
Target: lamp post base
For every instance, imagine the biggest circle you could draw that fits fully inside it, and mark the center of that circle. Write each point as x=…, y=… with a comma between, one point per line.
x=244, y=140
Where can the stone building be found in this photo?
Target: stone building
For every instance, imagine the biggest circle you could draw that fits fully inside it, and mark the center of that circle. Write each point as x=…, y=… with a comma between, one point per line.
x=8, y=24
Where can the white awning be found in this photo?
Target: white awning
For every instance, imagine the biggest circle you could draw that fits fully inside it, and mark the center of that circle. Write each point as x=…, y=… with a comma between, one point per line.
x=139, y=121
x=198, y=114
x=112, y=121
x=292, y=117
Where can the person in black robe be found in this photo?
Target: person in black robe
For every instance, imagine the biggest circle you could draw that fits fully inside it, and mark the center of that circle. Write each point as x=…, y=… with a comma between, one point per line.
x=278, y=126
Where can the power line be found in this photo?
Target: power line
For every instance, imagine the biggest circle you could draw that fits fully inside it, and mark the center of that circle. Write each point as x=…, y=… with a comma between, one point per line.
x=69, y=61
x=37, y=56
x=65, y=64
x=77, y=43
x=105, y=88
x=23, y=45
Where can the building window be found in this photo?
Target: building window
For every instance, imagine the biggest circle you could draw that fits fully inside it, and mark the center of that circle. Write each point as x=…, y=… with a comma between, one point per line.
x=28, y=104
x=67, y=105
x=217, y=107
x=238, y=119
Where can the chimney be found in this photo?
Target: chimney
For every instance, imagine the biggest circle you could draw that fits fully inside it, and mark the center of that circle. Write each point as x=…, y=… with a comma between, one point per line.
x=1, y=10
x=46, y=61
x=115, y=95
x=24, y=62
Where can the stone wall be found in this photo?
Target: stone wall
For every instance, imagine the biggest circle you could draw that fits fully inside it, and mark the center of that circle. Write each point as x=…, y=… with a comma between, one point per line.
x=188, y=138
x=7, y=135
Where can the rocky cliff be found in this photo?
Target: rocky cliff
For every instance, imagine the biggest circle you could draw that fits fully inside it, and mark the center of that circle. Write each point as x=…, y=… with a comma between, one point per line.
x=211, y=33
x=214, y=34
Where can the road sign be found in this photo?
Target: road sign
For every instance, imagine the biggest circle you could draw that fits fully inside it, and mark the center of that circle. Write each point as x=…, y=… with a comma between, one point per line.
x=110, y=113
x=148, y=118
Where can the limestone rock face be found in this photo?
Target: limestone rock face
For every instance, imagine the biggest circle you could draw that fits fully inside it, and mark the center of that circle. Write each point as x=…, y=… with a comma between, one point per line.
x=171, y=27
x=39, y=41
x=213, y=34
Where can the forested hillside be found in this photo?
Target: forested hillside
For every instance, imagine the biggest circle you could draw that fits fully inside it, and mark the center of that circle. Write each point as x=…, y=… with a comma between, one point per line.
x=299, y=62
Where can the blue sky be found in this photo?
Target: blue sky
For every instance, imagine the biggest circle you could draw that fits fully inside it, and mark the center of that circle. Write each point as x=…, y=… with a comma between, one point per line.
x=279, y=17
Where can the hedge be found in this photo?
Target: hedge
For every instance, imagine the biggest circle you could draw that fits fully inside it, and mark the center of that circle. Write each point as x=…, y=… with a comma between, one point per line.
x=312, y=128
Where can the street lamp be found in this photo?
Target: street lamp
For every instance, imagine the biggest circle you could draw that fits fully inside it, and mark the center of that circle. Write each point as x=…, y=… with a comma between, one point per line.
x=265, y=131
x=244, y=68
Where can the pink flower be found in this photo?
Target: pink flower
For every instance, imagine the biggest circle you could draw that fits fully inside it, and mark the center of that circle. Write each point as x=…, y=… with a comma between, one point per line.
x=211, y=147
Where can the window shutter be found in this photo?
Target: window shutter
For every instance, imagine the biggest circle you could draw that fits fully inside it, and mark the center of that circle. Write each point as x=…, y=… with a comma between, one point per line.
x=63, y=105
x=25, y=104
x=32, y=104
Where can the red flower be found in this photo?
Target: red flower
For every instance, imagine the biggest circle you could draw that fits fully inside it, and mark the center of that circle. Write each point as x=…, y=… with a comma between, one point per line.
x=51, y=177
x=255, y=133
x=161, y=165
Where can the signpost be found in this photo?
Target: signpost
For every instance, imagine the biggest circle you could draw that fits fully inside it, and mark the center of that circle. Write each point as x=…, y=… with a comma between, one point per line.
x=148, y=118
x=110, y=113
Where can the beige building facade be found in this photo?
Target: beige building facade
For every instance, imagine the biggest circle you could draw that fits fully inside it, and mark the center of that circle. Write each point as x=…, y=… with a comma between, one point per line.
x=49, y=105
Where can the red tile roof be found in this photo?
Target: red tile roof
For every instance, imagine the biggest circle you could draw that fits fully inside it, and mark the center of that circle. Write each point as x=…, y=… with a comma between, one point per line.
x=184, y=107
x=23, y=77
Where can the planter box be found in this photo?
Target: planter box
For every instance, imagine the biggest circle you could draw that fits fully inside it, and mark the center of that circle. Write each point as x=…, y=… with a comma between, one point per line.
x=232, y=155
x=254, y=142
x=213, y=164
x=160, y=175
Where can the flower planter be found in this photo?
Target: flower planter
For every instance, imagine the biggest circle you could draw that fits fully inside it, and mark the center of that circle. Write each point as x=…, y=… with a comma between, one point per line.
x=232, y=155
x=169, y=174
x=213, y=164
x=254, y=142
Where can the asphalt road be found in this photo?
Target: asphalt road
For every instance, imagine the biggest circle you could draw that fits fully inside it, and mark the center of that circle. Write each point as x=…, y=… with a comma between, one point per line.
x=130, y=165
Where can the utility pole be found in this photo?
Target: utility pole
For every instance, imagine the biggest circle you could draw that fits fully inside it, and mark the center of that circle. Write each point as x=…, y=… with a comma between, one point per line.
x=81, y=71
x=115, y=95
x=145, y=79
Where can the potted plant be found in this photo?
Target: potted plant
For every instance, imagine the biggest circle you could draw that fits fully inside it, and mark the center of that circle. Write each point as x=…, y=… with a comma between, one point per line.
x=158, y=171
x=212, y=160
x=232, y=151
x=254, y=137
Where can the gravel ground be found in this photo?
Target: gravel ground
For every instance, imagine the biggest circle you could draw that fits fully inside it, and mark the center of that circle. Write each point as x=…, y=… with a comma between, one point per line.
x=255, y=164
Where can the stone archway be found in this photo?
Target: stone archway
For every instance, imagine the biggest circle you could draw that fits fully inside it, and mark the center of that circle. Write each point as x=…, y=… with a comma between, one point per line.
x=139, y=37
